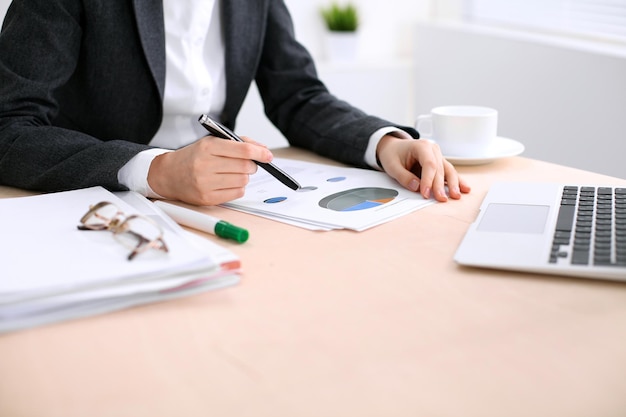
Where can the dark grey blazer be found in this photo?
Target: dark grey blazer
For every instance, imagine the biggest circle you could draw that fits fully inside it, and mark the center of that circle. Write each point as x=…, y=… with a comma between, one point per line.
x=81, y=88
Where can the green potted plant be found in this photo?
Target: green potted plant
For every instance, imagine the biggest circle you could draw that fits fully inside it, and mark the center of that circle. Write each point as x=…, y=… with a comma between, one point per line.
x=340, y=18
x=342, y=23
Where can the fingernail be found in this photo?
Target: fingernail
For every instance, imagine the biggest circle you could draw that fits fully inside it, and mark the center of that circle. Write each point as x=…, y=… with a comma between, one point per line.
x=427, y=192
x=414, y=185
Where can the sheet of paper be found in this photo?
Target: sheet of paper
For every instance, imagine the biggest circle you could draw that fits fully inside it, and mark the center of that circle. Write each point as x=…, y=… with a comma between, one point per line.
x=222, y=256
x=332, y=198
x=43, y=250
x=53, y=271
x=29, y=315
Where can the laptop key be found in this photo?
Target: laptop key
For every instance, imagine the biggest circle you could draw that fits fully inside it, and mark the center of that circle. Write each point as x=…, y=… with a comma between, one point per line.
x=565, y=219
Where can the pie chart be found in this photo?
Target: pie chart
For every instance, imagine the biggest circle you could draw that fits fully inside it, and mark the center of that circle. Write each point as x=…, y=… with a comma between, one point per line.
x=358, y=199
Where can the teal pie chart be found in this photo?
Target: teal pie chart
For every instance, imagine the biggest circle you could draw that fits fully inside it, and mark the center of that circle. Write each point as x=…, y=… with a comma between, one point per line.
x=358, y=199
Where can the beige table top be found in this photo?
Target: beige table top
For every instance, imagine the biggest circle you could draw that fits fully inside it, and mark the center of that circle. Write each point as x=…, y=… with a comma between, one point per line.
x=377, y=323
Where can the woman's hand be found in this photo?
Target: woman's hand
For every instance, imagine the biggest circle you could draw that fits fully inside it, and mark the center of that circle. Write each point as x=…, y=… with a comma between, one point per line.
x=210, y=171
x=418, y=165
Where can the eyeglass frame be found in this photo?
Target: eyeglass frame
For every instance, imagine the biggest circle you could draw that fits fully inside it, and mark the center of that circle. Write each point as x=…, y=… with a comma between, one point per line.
x=116, y=224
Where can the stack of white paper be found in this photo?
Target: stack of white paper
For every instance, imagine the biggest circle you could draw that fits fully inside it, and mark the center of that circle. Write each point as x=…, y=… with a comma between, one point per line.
x=332, y=197
x=51, y=271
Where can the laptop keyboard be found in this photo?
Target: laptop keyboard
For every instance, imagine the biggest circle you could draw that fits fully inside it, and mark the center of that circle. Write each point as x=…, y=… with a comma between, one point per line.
x=591, y=227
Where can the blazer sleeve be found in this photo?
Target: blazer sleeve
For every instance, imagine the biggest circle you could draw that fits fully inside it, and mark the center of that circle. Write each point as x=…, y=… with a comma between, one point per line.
x=300, y=105
x=42, y=147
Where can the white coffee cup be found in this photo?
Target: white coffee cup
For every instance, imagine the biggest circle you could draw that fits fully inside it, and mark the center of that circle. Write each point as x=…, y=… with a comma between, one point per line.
x=460, y=131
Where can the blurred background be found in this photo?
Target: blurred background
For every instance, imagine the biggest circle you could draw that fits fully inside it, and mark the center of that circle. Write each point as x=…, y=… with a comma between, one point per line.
x=554, y=69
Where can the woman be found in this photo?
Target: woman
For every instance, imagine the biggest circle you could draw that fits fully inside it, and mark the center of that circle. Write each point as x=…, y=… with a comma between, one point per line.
x=108, y=93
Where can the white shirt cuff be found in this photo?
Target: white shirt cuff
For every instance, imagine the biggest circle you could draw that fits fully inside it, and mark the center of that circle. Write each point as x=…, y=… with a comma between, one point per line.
x=370, y=152
x=134, y=174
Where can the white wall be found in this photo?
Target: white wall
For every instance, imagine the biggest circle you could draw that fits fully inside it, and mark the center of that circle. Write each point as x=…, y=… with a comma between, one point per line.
x=564, y=100
x=385, y=30
x=566, y=104
x=379, y=81
x=4, y=5
x=383, y=89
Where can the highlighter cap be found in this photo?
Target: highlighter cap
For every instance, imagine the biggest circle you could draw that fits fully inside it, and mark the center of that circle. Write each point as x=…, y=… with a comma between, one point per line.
x=230, y=231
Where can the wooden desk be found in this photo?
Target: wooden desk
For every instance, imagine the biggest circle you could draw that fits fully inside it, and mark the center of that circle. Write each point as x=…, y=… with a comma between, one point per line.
x=378, y=323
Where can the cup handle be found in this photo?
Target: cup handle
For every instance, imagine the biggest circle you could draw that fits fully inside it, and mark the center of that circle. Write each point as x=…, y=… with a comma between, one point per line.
x=424, y=125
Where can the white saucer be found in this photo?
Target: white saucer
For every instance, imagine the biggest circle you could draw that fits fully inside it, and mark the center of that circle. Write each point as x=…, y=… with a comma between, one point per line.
x=501, y=148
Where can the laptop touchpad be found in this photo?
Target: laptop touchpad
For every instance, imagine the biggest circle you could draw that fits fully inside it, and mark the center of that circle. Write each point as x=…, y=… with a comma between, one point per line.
x=514, y=218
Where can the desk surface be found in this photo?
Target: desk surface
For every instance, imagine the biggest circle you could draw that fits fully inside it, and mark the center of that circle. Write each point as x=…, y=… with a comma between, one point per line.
x=377, y=323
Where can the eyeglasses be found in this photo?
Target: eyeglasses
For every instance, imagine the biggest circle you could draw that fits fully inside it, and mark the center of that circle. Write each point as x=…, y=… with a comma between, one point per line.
x=138, y=233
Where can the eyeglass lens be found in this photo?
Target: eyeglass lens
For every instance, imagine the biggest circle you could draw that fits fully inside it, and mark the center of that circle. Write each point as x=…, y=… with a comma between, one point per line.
x=137, y=233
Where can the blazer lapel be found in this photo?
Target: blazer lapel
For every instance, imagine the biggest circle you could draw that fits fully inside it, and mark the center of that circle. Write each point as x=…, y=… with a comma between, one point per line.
x=243, y=24
x=149, y=17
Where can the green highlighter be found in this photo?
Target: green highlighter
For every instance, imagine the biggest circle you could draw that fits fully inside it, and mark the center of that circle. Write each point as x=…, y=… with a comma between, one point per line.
x=203, y=222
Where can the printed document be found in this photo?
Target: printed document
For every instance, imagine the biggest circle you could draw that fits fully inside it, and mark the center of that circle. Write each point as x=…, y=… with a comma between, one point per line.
x=332, y=197
x=53, y=271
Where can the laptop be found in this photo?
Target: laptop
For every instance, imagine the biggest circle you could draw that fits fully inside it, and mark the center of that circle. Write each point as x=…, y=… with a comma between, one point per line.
x=570, y=230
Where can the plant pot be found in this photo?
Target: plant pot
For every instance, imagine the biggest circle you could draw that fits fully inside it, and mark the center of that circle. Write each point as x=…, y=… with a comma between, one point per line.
x=341, y=46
